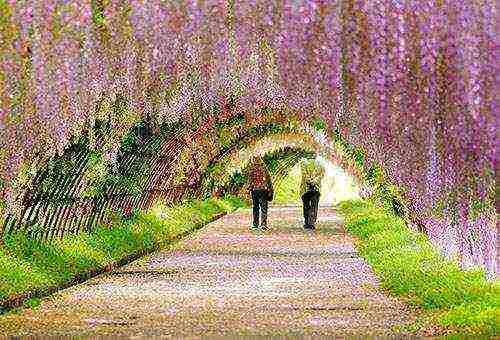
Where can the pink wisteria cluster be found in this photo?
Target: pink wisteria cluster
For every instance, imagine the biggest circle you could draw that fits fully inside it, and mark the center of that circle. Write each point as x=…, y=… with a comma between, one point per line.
x=411, y=82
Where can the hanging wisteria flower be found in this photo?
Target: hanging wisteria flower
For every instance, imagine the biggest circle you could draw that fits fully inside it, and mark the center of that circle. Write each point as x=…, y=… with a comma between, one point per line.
x=410, y=83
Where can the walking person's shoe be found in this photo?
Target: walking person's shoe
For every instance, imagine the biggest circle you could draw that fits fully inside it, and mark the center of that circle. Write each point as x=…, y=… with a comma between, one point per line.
x=254, y=227
x=264, y=227
x=309, y=227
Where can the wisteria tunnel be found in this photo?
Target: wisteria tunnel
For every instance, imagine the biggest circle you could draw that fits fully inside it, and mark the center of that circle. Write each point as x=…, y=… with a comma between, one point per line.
x=110, y=105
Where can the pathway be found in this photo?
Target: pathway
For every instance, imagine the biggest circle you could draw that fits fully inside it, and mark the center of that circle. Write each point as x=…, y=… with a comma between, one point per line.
x=228, y=280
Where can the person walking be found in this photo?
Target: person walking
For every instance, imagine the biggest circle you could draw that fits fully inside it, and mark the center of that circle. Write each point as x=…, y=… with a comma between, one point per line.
x=261, y=191
x=312, y=174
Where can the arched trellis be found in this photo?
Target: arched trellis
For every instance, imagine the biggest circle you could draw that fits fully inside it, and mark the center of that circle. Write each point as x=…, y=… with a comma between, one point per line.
x=65, y=199
x=409, y=82
x=279, y=158
x=282, y=160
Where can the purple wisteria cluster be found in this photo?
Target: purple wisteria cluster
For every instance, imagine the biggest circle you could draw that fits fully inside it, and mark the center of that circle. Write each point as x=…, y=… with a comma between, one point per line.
x=410, y=82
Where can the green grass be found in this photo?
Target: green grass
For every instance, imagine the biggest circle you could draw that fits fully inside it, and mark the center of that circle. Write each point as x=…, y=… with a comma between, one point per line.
x=408, y=265
x=29, y=266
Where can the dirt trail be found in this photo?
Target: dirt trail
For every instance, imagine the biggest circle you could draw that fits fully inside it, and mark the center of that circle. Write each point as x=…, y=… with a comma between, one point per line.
x=228, y=280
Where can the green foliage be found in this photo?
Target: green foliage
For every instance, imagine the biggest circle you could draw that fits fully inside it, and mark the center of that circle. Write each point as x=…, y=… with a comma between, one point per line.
x=168, y=128
x=319, y=125
x=129, y=141
x=29, y=265
x=98, y=13
x=232, y=121
x=268, y=129
x=225, y=138
x=358, y=156
x=130, y=178
x=284, y=159
x=215, y=169
x=33, y=303
x=237, y=179
x=473, y=318
x=18, y=276
x=409, y=265
x=5, y=12
x=120, y=107
x=288, y=189
x=96, y=174
x=233, y=201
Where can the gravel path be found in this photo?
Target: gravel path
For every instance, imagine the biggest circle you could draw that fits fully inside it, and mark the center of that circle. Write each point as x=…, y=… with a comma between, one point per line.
x=228, y=280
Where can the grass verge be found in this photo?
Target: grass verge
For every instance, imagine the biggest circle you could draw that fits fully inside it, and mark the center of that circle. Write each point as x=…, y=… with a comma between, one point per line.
x=31, y=268
x=463, y=302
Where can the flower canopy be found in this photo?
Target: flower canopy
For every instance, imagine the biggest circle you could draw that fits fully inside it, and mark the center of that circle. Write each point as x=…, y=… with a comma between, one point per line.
x=411, y=83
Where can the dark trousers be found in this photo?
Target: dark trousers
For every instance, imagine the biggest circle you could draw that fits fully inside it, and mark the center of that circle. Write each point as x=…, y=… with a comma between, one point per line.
x=259, y=198
x=310, y=203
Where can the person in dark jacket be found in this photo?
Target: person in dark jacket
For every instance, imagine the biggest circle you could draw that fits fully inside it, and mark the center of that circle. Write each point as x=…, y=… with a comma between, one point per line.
x=312, y=175
x=260, y=188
